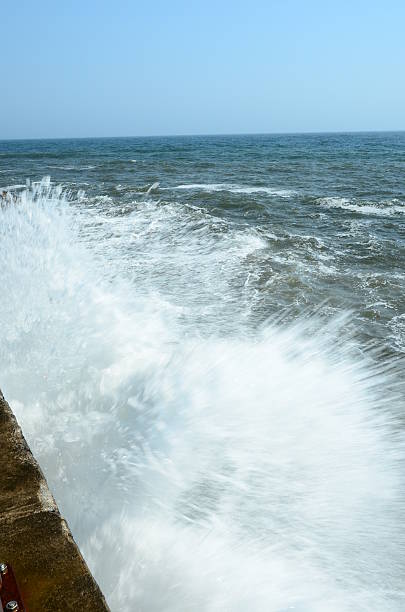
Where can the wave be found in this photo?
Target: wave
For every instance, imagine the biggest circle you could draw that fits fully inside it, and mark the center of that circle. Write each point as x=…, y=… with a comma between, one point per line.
x=254, y=469
x=385, y=209
x=72, y=167
x=12, y=187
x=52, y=167
x=144, y=189
x=212, y=187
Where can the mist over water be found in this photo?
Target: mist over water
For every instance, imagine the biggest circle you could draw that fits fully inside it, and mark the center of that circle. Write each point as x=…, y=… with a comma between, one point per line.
x=210, y=369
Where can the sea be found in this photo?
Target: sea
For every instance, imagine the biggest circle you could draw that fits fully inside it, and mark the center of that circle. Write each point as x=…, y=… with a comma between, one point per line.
x=203, y=339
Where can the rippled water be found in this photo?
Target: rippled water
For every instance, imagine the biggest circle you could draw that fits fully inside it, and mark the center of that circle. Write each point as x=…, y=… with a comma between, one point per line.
x=203, y=340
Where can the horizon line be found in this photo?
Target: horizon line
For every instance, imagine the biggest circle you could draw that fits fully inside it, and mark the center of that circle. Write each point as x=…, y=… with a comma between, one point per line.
x=219, y=134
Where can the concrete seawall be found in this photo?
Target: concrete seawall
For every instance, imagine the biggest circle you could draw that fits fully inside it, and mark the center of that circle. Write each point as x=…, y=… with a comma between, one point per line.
x=34, y=538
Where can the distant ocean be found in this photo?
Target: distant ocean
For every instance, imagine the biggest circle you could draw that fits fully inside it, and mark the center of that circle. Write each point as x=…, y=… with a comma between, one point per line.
x=203, y=339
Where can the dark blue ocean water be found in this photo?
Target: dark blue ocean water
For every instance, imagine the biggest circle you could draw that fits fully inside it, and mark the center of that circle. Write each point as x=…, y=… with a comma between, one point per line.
x=203, y=340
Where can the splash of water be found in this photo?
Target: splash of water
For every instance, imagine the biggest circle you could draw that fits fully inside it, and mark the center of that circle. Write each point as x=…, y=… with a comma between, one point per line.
x=255, y=471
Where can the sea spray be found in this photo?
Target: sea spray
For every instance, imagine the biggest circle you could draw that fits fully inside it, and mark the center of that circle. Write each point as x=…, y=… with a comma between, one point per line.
x=255, y=470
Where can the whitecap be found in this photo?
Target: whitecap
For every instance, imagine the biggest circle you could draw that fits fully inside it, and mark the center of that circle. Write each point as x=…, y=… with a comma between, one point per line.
x=62, y=167
x=153, y=187
x=384, y=209
x=11, y=187
x=232, y=188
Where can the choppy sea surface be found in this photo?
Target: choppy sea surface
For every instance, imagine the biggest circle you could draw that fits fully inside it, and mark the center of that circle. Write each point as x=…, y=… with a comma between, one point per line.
x=203, y=339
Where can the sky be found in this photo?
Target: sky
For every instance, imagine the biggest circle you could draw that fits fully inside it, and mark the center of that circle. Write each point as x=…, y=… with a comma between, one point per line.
x=137, y=68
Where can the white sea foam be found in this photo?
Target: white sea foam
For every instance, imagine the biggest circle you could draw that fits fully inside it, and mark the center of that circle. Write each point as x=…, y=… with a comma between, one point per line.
x=397, y=325
x=61, y=167
x=211, y=187
x=384, y=209
x=238, y=471
x=11, y=187
x=153, y=187
x=53, y=167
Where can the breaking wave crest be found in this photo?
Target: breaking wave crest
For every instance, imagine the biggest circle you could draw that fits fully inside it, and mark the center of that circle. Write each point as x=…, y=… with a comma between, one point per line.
x=242, y=189
x=255, y=470
x=384, y=209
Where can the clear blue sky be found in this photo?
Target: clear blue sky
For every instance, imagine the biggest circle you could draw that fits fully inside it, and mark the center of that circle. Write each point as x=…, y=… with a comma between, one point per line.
x=137, y=67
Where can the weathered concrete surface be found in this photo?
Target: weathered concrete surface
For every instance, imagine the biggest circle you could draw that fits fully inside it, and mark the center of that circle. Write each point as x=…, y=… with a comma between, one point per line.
x=34, y=538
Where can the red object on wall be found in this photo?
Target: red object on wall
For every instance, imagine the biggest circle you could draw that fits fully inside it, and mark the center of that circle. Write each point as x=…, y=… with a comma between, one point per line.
x=9, y=591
